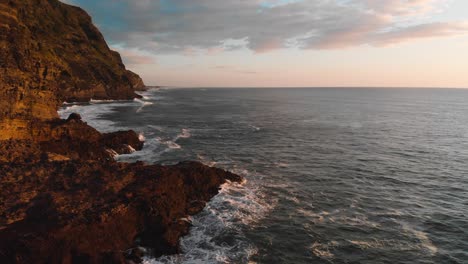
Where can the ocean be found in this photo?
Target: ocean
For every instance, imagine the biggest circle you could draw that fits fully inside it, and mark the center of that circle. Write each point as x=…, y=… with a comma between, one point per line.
x=337, y=175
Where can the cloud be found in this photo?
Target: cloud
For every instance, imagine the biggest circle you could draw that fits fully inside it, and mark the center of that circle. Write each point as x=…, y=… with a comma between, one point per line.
x=133, y=57
x=247, y=72
x=420, y=31
x=210, y=26
x=404, y=7
x=233, y=69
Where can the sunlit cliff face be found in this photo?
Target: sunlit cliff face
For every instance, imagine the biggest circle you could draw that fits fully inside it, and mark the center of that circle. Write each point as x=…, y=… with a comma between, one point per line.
x=289, y=42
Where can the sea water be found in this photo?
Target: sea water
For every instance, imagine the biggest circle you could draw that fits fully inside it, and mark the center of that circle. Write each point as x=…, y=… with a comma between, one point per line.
x=331, y=175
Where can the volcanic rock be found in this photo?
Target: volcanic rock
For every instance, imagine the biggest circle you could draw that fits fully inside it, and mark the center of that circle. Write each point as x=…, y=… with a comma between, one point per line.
x=51, y=52
x=63, y=197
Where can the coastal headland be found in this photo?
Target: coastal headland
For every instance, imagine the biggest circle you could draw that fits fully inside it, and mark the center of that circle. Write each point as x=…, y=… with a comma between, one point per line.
x=63, y=197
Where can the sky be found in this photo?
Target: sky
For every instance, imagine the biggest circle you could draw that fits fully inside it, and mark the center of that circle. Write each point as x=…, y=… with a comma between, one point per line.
x=288, y=43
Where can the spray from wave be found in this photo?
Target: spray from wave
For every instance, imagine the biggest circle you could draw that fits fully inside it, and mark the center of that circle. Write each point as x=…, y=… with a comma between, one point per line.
x=142, y=103
x=217, y=232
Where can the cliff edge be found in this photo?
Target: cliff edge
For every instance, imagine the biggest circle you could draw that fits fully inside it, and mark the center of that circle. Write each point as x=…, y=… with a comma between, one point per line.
x=51, y=52
x=63, y=197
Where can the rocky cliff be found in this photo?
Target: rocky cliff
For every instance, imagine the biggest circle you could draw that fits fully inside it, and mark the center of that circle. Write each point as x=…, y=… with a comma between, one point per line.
x=51, y=52
x=63, y=197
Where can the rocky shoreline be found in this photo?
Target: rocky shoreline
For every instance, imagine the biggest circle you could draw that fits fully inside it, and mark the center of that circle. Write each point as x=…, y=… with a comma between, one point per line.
x=63, y=197
x=65, y=200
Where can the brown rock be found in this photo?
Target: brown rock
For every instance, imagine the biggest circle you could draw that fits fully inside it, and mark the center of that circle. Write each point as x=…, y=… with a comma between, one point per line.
x=122, y=142
x=71, y=202
x=63, y=198
x=51, y=52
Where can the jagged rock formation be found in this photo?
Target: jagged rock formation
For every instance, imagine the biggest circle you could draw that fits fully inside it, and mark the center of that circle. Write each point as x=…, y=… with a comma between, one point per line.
x=64, y=199
x=51, y=52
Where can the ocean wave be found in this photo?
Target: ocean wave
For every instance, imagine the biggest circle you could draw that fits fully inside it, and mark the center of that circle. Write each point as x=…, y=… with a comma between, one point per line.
x=92, y=114
x=155, y=146
x=142, y=103
x=343, y=217
x=149, y=153
x=184, y=134
x=96, y=101
x=255, y=128
x=206, y=161
x=71, y=107
x=169, y=143
x=149, y=95
x=158, y=128
x=394, y=244
x=323, y=250
x=281, y=164
x=217, y=232
x=425, y=242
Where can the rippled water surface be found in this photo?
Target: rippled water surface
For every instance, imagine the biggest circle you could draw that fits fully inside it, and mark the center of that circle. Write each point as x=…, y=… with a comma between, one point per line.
x=333, y=175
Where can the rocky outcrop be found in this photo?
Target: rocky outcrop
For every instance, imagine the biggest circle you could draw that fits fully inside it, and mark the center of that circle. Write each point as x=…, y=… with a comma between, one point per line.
x=51, y=52
x=63, y=197
x=65, y=200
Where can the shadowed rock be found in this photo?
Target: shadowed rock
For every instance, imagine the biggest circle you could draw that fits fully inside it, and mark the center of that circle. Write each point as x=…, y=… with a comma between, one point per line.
x=65, y=200
x=63, y=197
x=50, y=52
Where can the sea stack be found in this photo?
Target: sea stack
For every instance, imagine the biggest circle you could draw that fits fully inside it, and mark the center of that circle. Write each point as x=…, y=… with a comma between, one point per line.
x=63, y=197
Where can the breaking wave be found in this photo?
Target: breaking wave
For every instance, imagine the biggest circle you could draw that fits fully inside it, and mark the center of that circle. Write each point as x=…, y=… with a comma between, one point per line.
x=217, y=234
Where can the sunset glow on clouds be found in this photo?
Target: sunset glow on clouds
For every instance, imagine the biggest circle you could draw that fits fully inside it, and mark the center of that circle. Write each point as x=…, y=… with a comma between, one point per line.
x=193, y=37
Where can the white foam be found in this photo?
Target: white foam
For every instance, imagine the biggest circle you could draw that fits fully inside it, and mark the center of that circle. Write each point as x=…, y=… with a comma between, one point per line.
x=159, y=128
x=169, y=143
x=142, y=103
x=343, y=217
x=281, y=164
x=148, y=153
x=71, y=107
x=375, y=243
x=184, y=134
x=255, y=128
x=236, y=207
x=322, y=250
x=172, y=145
x=91, y=113
x=95, y=101
x=424, y=240
x=423, y=244
x=206, y=161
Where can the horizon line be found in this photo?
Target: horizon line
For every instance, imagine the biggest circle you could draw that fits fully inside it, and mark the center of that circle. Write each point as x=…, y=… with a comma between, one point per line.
x=303, y=87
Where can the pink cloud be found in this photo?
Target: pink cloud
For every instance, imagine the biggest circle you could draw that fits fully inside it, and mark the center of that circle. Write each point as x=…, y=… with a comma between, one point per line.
x=421, y=31
x=268, y=45
x=404, y=7
x=134, y=57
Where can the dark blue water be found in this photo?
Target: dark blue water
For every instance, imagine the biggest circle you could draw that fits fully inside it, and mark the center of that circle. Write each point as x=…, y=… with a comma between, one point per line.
x=333, y=175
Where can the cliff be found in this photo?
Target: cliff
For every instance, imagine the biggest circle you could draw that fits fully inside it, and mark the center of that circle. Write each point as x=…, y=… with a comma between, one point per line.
x=63, y=197
x=51, y=52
